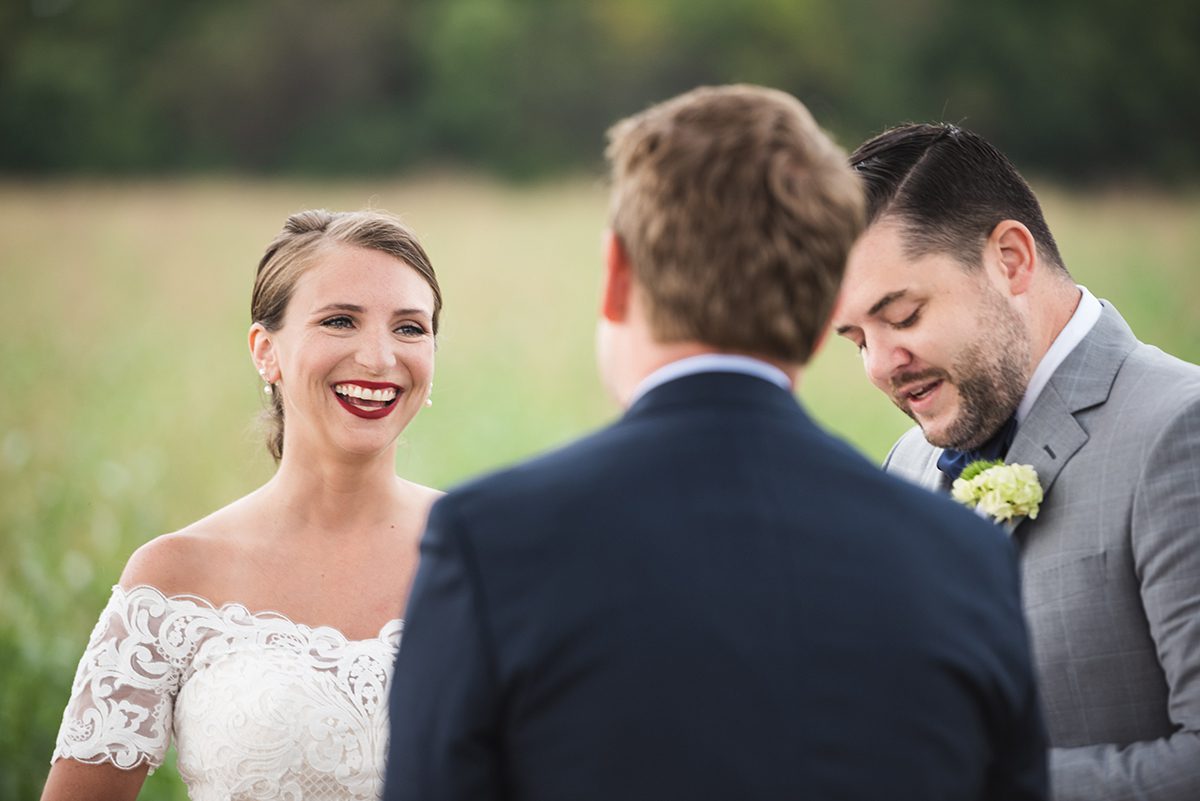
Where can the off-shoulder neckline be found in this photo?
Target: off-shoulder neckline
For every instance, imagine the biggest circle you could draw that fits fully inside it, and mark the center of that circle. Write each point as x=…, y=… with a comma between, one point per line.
x=385, y=631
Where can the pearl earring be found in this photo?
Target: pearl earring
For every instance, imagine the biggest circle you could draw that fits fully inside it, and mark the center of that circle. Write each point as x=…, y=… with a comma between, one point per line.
x=428, y=396
x=268, y=390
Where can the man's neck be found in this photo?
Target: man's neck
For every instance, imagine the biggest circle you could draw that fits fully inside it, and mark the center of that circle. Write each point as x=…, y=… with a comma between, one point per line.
x=1059, y=302
x=1084, y=315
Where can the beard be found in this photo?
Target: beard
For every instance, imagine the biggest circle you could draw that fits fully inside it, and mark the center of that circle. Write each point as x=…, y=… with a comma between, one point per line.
x=989, y=374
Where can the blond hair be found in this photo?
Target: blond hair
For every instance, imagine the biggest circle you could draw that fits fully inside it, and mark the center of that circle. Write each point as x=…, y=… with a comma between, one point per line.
x=737, y=212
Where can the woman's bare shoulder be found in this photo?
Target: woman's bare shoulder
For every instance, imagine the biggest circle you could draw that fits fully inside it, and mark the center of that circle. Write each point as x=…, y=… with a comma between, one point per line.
x=421, y=500
x=189, y=560
x=425, y=495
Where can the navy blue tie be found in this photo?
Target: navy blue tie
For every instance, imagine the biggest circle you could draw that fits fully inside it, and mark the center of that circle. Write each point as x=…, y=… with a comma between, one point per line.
x=952, y=462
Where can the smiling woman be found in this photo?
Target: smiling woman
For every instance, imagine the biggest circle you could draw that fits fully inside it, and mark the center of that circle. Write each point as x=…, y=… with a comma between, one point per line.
x=352, y=321
x=351, y=248
x=270, y=626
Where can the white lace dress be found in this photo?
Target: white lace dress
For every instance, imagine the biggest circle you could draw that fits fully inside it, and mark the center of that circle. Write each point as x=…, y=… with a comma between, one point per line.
x=260, y=707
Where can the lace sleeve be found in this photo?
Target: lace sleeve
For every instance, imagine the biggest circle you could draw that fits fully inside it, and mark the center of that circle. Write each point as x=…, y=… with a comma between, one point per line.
x=123, y=696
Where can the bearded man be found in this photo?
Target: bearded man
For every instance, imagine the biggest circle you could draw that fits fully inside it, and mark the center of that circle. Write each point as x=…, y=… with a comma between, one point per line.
x=967, y=319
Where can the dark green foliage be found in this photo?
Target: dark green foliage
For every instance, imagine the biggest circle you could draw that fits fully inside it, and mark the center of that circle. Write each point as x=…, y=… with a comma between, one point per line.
x=1079, y=90
x=29, y=716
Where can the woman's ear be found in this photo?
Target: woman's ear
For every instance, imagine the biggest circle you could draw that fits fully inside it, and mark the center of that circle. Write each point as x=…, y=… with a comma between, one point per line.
x=262, y=351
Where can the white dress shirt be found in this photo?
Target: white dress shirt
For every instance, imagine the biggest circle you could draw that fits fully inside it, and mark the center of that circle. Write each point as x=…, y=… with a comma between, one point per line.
x=712, y=363
x=1081, y=322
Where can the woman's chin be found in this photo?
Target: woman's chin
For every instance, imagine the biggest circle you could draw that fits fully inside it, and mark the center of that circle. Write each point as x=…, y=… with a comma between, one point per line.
x=363, y=445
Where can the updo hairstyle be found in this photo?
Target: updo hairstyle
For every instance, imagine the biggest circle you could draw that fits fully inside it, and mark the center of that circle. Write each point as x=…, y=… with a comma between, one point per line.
x=296, y=248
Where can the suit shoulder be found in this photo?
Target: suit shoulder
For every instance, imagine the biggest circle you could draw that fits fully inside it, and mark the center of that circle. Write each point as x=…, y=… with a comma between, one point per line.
x=1152, y=391
x=912, y=442
x=539, y=475
x=910, y=456
x=1152, y=365
x=913, y=522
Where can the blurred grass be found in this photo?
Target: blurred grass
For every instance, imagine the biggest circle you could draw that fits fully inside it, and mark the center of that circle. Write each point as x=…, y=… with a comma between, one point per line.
x=129, y=397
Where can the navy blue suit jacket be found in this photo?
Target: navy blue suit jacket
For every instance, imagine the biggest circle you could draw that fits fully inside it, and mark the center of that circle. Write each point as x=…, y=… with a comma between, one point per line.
x=712, y=599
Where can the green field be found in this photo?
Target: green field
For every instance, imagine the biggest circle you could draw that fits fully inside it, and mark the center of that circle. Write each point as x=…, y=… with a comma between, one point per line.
x=129, y=398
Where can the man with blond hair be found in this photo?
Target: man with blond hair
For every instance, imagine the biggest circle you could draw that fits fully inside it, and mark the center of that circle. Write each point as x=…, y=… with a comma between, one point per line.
x=711, y=598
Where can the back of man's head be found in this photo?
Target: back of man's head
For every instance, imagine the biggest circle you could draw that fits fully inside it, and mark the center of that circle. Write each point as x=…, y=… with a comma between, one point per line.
x=949, y=188
x=737, y=213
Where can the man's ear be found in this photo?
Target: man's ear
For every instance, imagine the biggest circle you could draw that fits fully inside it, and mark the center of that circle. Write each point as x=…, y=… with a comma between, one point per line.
x=262, y=351
x=618, y=280
x=1014, y=253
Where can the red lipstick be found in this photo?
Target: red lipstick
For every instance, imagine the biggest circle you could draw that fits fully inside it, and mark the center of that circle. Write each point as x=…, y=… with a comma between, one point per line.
x=367, y=412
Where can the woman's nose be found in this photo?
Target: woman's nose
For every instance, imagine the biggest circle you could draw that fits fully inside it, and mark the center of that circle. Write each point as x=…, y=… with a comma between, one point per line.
x=376, y=353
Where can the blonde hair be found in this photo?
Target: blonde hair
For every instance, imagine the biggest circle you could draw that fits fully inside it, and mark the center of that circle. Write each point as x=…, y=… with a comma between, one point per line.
x=737, y=212
x=293, y=252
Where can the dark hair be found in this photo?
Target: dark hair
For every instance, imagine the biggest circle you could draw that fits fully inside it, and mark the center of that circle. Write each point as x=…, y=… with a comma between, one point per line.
x=948, y=188
x=737, y=212
x=296, y=248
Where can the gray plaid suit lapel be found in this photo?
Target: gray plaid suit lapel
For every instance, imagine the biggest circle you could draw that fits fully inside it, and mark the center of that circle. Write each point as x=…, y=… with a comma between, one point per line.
x=1050, y=435
x=933, y=478
x=1048, y=438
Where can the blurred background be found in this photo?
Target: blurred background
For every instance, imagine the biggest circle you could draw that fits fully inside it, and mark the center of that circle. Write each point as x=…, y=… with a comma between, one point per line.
x=149, y=151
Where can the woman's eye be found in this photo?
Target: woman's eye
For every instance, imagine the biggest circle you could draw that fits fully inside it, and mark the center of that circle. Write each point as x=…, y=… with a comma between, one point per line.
x=338, y=322
x=410, y=330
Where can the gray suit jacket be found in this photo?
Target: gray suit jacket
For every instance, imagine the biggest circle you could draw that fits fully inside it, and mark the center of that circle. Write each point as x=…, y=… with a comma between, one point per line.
x=1111, y=566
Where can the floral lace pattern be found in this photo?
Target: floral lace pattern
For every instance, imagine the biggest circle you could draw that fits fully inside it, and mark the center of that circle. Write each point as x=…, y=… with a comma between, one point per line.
x=260, y=707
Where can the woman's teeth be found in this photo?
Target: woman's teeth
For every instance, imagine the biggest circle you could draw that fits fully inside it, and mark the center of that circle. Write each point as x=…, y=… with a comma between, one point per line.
x=362, y=393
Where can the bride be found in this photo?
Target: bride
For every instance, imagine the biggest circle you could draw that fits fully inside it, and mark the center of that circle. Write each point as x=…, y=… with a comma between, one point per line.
x=262, y=637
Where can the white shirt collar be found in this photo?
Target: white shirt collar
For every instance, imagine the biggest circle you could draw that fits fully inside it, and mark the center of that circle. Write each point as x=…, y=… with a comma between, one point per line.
x=1081, y=322
x=711, y=363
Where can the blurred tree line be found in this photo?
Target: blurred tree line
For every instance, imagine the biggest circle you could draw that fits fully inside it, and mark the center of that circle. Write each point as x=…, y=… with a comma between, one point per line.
x=1078, y=89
